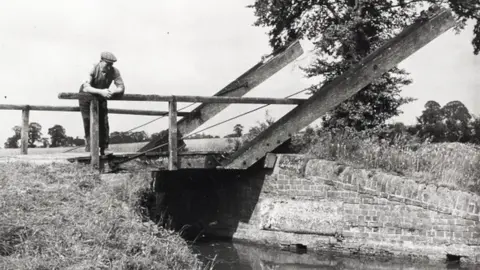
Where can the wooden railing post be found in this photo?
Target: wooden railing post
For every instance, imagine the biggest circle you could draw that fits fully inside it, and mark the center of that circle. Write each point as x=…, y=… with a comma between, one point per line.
x=24, y=134
x=94, y=134
x=172, y=136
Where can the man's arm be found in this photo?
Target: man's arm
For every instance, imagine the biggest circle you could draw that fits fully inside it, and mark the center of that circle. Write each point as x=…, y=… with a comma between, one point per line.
x=88, y=88
x=120, y=86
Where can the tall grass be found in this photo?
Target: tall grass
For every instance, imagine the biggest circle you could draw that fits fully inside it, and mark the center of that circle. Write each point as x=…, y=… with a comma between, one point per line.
x=453, y=165
x=65, y=217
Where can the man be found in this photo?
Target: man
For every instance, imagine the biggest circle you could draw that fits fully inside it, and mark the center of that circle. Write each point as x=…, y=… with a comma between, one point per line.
x=101, y=77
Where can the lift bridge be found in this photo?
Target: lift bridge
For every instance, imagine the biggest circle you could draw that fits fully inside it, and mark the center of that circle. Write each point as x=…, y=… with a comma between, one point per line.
x=423, y=30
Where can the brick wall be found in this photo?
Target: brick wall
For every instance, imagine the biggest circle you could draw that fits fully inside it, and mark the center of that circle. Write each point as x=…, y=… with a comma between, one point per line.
x=324, y=205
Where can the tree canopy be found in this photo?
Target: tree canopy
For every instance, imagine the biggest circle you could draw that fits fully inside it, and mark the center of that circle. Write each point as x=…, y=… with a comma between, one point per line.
x=344, y=32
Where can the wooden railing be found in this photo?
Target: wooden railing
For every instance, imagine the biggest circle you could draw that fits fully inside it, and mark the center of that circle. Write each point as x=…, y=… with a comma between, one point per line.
x=172, y=114
x=27, y=108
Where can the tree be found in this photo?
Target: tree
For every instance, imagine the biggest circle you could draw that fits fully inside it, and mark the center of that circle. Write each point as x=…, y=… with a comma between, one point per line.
x=78, y=142
x=456, y=118
x=58, y=136
x=475, y=130
x=430, y=123
x=45, y=142
x=128, y=137
x=344, y=32
x=238, y=130
x=34, y=134
x=12, y=142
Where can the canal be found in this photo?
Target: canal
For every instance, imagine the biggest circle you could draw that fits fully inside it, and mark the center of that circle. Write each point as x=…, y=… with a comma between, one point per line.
x=240, y=256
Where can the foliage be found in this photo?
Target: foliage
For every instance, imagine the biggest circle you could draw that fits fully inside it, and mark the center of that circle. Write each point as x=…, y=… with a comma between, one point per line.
x=12, y=142
x=238, y=130
x=78, y=141
x=450, y=123
x=58, y=136
x=34, y=134
x=457, y=118
x=201, y=136
x=45, y=142
x=343, y=33
x=66, y=217
x=452, y=165
x=254, y=131
x=128, y=137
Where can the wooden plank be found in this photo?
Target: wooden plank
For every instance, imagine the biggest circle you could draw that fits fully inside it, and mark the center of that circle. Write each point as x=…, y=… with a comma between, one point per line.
x=172, y=136
x=145, y=112
x=77, y=109
x=94, y=134
x=343, y=87
x=185, y=161
x=270, y=160
x=237, y=88
x=196, y=99
x=24, y=134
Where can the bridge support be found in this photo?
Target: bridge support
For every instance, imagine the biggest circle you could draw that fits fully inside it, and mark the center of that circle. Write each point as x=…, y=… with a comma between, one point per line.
x=25, y=127
x=94, y=134
x=172, y=136
x=343, y=87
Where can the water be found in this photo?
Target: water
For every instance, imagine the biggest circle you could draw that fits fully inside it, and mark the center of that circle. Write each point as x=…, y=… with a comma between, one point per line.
x=241, y=256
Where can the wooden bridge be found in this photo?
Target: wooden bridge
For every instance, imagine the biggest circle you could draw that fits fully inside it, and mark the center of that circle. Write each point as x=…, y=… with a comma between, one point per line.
x=425, y=29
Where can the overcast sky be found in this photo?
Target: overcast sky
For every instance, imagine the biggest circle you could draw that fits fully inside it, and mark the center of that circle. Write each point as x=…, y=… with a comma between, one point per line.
x=178, y=47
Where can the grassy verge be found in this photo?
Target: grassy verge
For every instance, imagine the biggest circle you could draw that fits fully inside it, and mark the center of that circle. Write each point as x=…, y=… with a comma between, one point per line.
x=453, y=165
x=64, y=217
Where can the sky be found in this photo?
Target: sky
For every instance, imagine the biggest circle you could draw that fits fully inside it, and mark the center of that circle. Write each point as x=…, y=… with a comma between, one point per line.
x=179, y=48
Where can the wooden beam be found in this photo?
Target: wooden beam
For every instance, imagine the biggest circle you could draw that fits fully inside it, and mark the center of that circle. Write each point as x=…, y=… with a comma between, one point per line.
x=343, y=87
x=196, y=99
x=24, y=134
x=172, y=136
x=185, y=160
x=77, y=109
x=237, y=88
x=94, y=134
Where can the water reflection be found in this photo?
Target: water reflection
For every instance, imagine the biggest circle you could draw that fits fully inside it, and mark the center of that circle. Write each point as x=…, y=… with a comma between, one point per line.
x=241, y=256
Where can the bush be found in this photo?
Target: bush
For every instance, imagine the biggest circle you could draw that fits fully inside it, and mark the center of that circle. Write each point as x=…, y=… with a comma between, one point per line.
x=453, y=165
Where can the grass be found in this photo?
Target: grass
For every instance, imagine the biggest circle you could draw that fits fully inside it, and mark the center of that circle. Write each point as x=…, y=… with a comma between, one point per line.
x=452, y=165
x=65, y=217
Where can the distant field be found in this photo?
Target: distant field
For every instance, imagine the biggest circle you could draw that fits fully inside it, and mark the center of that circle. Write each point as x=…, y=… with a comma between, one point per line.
x=216, y=144
x=127, y=147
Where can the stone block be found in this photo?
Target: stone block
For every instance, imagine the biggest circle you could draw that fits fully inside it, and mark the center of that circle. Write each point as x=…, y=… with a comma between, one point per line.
x=291, y=165
x=312, y=217
x=320, y=168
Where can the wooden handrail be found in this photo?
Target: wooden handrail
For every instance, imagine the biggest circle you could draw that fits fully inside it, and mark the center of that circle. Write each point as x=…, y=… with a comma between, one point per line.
x=199, y=99
x=94, y=122
x=77, y=109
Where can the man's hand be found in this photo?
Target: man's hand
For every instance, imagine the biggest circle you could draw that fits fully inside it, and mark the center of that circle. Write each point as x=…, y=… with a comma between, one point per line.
x=106, y=94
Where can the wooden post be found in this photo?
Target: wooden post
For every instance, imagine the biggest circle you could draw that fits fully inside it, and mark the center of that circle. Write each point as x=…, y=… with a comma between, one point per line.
x=24, y=135
x=172, y=136
x=94, y=135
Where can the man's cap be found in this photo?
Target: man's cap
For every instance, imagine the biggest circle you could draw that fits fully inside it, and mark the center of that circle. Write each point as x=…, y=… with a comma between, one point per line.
x=108, y=57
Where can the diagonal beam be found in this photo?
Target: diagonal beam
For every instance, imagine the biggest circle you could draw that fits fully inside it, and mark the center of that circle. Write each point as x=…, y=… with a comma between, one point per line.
x=343, y=87
x=239, y=87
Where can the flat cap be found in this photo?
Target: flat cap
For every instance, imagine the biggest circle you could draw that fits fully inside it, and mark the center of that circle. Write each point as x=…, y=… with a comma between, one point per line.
x=108, y=57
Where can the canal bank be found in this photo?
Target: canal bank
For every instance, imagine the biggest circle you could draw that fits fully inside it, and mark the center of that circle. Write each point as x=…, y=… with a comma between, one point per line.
x=294, y=200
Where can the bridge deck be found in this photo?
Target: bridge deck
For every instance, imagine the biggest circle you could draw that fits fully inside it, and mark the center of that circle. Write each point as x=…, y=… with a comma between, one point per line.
x=157, y=161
